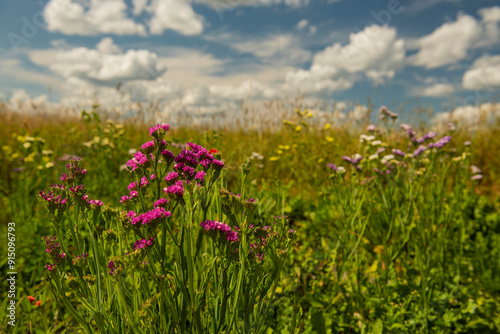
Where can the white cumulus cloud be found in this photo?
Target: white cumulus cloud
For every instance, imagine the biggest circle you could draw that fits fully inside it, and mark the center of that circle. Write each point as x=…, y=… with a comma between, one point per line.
x=105, y=65
x=451, y=42
x=375, y=52
x=436, y=90
x=484, y=74
x=94, y=18
x=177, y=15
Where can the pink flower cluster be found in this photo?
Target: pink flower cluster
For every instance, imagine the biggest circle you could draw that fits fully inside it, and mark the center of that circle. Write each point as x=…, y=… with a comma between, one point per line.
x=152, y=217
x=217, y=228
x=53, y=248
x=175, y=191
x=76, y=173
x=139, y=160
x=159, y=130
x=93, y=203
x=53, y=202
x=143, y=243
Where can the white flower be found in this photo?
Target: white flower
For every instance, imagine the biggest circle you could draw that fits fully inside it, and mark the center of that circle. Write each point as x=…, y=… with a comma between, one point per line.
x=387, y=158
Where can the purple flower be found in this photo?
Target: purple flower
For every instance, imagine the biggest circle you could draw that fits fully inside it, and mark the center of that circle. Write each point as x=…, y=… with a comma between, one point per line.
x=200, y=177
x=477, y=177
x=175, y=191
x=441, y=142
x=206, y=163
x=143, y=243
x=220, y=229
x=332, y=166
x=371, y=128
x=167, y=156
x=217, y=165
x=398, y=152
x=112, y=268
x=188, y=172
x=419, y=151
x=171, y=178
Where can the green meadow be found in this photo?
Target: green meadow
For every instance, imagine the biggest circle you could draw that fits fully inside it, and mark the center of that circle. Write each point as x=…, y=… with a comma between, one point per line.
x=118, y=225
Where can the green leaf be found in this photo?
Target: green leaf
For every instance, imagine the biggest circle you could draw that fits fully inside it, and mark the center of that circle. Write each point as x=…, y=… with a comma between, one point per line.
x=318, y=321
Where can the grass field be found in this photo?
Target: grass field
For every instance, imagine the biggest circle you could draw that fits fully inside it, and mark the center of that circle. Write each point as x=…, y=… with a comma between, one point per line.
x=337, y=228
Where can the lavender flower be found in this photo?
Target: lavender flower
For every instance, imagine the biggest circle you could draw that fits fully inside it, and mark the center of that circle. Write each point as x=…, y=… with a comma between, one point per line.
x=333, y=167
x=441, y=142
x=419, y=151
x=398, y=152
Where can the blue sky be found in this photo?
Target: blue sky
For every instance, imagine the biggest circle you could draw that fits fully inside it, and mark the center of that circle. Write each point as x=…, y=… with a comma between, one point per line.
x=203, y=53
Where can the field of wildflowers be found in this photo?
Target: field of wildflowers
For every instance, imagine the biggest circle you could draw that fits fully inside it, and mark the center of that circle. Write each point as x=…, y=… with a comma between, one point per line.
x=126, y=227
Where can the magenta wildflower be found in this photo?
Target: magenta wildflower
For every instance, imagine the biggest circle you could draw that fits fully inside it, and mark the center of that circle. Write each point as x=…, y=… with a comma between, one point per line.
x=148, y=147
x=161, y=203
x=219, y=229
x=124, y=199
x=187, y=157
x=188, y=172
x=171, y=178
x=167, y=156
x=158, y=131
x=175, y=191
x=112, y=268
x=217, y=165
x=200, y=177
x=53, y=247
x=206, y=163
x=143, y=243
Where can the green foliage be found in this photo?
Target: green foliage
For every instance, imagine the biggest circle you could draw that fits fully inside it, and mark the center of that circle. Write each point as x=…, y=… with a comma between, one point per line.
x=413, y=251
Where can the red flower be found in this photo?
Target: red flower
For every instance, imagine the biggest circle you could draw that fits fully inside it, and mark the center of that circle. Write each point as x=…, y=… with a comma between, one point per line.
x=213, y=151
x=38, y=303
x=31, y=299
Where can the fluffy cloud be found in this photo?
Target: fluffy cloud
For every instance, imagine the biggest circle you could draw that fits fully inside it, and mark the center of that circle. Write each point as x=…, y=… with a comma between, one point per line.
x=375, y=52
x=482, y=115
x=302, y=24
x=318, y=80
x=283, y=47
x=484, y=74
x=96, y=17
x=219, y=94
x=450, y=43
x=177, y=15
x=435, y=90
x=103, y=66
